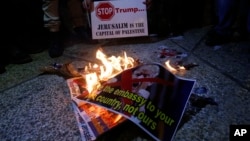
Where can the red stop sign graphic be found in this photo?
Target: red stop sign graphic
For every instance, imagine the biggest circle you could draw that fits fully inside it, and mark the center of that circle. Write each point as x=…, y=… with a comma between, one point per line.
x=105, y=11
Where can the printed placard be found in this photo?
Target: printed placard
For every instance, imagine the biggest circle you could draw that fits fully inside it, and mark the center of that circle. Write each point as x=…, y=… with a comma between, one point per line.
x=119, y=18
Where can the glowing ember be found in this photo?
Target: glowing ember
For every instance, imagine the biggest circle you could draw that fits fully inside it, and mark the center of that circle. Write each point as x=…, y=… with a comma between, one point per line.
x=110, y=66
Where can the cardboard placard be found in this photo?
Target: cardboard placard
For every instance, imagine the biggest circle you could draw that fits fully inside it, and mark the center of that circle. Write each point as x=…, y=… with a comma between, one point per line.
x=119, y=18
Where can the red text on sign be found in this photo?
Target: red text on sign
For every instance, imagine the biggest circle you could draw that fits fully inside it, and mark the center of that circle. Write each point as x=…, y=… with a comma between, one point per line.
x=126, y=10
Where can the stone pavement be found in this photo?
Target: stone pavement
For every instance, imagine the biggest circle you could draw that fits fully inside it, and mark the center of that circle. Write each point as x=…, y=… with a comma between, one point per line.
x=36, y=106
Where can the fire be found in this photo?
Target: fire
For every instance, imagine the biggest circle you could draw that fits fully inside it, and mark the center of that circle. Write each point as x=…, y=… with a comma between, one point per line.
x=92, y=83
x=117, y=118
x=110, y=66
x=172, y=69
x=113, y=65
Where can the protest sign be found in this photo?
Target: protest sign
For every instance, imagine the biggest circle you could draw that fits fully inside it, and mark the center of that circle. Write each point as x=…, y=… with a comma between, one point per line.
x=119, y=18
x=148, y=95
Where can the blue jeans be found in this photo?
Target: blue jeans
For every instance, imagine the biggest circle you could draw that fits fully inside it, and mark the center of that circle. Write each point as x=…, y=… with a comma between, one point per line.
x=228, y=11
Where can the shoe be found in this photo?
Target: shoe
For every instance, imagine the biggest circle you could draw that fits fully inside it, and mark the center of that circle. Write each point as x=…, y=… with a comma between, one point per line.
x=29, y=42
x=32, y=45
x=2, y=68
x=35, y=50
x=19, y=57
x=241, y=36
x=213, y=39
x=56, y=48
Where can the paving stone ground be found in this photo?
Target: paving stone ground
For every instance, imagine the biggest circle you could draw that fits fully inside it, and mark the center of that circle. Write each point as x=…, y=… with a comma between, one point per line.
x=36, y=106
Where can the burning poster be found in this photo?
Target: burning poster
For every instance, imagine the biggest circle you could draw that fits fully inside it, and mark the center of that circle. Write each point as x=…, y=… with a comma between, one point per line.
x=85, y=131
x=148, y=95
x=93, y=120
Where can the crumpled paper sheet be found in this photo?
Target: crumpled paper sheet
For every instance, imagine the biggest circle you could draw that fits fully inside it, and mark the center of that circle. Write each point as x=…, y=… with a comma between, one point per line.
x=67, y=70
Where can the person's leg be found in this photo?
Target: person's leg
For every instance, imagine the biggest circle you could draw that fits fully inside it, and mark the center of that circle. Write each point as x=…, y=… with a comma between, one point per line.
x=248, y=18
x=79, y=20
x=3, y=62
x=248, y=22
x=76, y=13
x=51, y=15
x=33, y=32
x=26, y=22
x=52, y=23
x=12, y=29
x=226, y=14
x=174, y=16
x=242, y=26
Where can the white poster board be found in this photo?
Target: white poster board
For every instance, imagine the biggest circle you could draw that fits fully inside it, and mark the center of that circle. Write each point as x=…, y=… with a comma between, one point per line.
x=119, y=18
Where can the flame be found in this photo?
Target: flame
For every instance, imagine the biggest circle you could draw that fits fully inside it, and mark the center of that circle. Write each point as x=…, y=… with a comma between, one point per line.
x=110, y=66
x=182, y=68
x=97, y=73
x=172, y=69
x=92, y=83
x=117, y=118
x=113, y=65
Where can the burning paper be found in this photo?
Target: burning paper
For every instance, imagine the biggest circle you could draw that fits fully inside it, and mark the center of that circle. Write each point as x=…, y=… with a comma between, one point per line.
x=148, y=94
x=110, y=66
